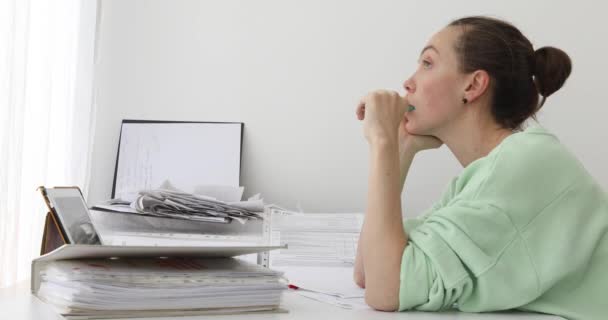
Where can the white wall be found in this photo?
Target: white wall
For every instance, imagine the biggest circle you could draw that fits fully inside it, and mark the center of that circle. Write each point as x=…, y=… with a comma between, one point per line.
x=293, y=71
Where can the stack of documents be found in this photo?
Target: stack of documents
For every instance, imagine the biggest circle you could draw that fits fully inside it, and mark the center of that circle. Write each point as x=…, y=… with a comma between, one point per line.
x=170, y=202
x=169, y=217
x=316, y=239
x=321, y=254
x=181, y=205
x=117, y=288
x=139, y=230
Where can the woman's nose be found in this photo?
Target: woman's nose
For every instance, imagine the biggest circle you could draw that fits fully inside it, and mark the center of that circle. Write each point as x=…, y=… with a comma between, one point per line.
x=409, y=86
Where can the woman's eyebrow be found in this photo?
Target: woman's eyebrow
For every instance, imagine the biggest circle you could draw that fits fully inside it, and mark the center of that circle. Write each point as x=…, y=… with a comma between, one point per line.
x=431, y=47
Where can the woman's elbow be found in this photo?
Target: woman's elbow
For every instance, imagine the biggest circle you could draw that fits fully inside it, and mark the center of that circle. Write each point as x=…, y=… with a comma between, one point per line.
x=381, y=302
x=359, y=278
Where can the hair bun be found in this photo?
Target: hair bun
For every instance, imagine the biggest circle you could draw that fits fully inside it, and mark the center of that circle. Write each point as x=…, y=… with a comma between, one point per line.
x=551, y=68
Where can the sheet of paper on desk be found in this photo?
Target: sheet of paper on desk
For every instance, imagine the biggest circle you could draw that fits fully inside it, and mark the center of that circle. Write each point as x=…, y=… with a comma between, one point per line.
x=123, y=208
x=333, y=285
x=346, y=303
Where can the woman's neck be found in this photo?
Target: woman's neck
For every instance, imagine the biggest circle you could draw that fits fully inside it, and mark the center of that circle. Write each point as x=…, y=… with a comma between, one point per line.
x=471, y=142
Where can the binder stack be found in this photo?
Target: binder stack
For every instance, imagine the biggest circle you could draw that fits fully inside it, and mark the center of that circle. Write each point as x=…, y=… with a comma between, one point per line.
x=92, y=281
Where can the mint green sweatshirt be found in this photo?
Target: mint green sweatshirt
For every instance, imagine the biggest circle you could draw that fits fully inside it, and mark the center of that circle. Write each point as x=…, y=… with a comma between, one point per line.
x=525, y=227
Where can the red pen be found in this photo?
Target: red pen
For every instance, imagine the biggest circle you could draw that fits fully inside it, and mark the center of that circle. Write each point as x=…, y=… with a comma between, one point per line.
x=294, y=287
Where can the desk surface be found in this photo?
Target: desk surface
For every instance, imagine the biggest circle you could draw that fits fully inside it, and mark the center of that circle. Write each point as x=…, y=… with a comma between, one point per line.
x=17, y=303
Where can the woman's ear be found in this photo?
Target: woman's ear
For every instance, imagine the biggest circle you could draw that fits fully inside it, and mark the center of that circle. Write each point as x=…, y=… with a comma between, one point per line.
x=477, y=84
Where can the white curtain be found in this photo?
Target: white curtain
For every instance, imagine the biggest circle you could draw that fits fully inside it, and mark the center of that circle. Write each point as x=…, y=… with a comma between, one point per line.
x=46, y=116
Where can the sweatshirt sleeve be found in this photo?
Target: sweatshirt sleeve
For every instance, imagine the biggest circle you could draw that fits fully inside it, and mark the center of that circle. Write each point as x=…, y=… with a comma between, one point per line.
x=467, y=256
x=409, y=224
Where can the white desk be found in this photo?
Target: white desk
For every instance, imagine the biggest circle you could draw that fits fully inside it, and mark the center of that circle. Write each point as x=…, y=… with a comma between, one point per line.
x=16, y=303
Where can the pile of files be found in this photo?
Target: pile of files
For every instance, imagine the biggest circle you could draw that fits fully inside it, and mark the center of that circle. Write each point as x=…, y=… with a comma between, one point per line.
x=316, y=239
x=168, y=216
x=181, y=205
x=322, y=246
x=169, y=202
x=121, y=288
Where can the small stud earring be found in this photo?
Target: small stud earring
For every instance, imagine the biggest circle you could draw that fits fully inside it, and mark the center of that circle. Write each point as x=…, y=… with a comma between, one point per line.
x=464, y=100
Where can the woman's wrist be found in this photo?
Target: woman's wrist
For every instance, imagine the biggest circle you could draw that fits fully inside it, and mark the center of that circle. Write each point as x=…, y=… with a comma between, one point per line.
x=383, y=141
x=384, y=147
x=408, y=151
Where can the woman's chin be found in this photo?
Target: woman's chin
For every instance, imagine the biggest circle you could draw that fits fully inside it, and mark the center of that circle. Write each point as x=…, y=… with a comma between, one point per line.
x=412, y=127
x=417, y=128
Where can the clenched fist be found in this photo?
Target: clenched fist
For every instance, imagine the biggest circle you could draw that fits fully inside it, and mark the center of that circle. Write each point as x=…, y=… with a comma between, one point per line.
x=384, y=115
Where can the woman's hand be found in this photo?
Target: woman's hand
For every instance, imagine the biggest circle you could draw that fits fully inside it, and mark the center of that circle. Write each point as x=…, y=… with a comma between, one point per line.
x=385, y=119
x=381, y=112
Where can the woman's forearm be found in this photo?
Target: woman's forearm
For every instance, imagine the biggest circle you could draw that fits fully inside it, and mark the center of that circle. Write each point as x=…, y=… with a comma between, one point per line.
x=383, y=238
x=405, y=162
x=359, y=272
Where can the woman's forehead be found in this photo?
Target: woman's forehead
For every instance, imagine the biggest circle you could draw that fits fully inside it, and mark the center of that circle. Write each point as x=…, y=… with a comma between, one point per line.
x=443, y=41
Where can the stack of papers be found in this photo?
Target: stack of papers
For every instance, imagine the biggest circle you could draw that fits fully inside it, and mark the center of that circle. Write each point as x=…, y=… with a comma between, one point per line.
x=316, y=239
x=181, y=205
x=169, y=202
x=119, y=288
x=122, y=229
x=169, y=217
x=320, y=258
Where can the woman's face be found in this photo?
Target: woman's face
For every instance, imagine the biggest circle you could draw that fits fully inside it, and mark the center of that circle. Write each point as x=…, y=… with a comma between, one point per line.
x=436, y=88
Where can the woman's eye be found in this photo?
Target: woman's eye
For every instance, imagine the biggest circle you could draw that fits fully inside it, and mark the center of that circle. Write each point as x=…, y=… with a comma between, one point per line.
x=426, y=64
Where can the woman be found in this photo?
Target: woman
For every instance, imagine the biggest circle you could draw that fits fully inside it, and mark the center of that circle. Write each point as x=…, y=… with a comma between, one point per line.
x=523, y=226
